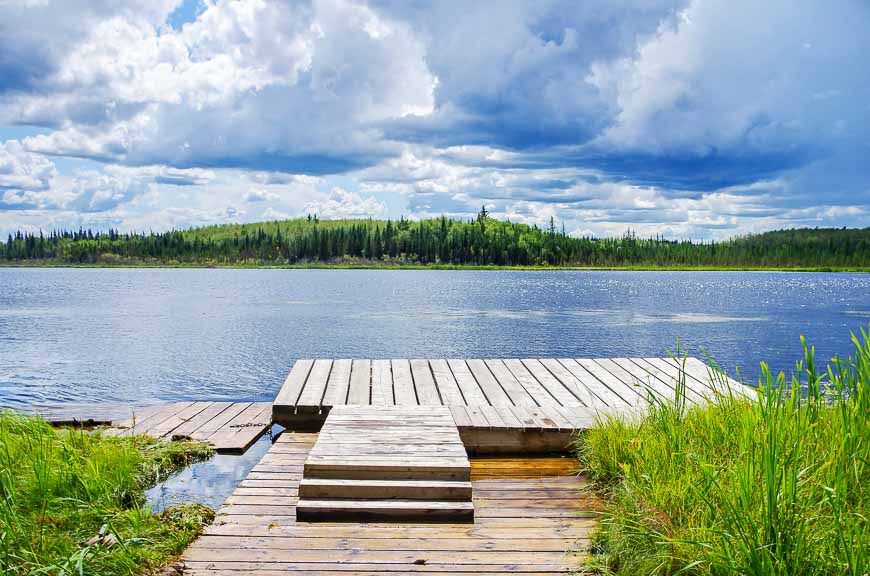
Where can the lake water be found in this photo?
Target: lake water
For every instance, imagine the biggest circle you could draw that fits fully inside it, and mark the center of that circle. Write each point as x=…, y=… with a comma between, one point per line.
x=121, y=336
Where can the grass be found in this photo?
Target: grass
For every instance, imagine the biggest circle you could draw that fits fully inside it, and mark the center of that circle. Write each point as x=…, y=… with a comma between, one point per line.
x=778, y=485
x=72, y=502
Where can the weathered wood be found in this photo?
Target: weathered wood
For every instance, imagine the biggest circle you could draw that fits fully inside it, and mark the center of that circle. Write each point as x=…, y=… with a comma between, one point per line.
x=424, y=383
x=572, y=395
x=571, y=382
x=518, y=395
x=288, y=396
x=241, y=432
x=591, y=382
x=315, y=387
x=448, y=388
x=360, y=382
x=677, y=375
x=629, y=394
x=493, y=391
x=370, y=510
x=366, y=450
x=525, y=525
x=541, y=394
x=403, y=383
x=338, y=383
x=594, y=383
x=211, y=410
x=710, y=377
x=165, y=412
x=230, y=427
x=649, y=387
x=317, y=488
x=668, y=380
x=465, y=379
x=382, y=383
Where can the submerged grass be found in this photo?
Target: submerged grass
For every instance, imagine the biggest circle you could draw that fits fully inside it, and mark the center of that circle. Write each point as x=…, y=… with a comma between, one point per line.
x=72, y=502
x=776, y=485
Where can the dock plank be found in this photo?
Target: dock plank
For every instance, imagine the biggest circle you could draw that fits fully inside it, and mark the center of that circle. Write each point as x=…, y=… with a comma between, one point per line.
x=465, y=379
x=424, y=383
x=593, y=384
x=295, y=382
x=448, y=388
x=403, y=383
x=315, y=387
x=382, y=383
x=338, y=384
x=629, y=394
x=495, y=395
x=360, y=382
x=518, y=395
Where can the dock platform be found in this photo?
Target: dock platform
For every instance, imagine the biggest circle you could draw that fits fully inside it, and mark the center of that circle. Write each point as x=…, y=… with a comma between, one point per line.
x=230, y=427
x=508, y=406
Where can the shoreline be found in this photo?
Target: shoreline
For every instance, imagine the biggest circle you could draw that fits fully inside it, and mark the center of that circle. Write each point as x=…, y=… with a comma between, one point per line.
x=375, y=266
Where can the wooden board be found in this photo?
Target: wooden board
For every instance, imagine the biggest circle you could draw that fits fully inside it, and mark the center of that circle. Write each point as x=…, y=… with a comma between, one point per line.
x=526, y=524
x=230, y=427
x=490, y=389
x=385, y=462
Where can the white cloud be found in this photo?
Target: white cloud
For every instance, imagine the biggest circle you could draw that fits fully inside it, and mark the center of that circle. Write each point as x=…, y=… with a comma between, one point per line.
x=22, y=172
x=248, y=84
x=259, y=195
x=701, y=118
x=341, y=203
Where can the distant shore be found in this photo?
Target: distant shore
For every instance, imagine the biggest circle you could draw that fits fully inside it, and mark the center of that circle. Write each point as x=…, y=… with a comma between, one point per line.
x=391, y=266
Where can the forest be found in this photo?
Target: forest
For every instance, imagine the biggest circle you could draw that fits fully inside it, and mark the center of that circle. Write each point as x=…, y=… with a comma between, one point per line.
x=483, y=241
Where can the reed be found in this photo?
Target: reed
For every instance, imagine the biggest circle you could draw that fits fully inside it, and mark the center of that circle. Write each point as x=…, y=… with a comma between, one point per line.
x=779, y=484
x=71, y=501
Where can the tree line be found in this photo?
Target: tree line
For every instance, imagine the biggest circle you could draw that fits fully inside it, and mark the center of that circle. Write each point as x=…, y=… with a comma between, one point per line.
x=481, y=241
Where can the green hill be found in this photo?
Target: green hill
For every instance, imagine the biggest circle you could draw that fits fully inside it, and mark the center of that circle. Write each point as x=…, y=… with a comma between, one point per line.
x=434, y=242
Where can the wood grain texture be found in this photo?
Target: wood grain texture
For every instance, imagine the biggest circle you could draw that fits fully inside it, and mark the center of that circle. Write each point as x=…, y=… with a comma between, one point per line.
x=535, y=518
x=230, y=427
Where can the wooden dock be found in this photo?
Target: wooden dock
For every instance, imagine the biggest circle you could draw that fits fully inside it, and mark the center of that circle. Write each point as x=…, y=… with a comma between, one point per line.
x=525, y=522
x=514, y=405
x=373, y=475
x=230, y=427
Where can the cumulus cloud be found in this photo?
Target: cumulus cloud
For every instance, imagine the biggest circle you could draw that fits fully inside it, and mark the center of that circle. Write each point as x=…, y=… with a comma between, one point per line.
x=259, y=195
x=686, y=117
x=23, y=171
x=341, y=203
x=516, y=74
x=250, y=84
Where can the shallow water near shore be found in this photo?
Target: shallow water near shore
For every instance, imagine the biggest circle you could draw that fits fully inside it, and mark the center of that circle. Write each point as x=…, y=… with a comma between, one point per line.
x=211, y=481
x=139, y=336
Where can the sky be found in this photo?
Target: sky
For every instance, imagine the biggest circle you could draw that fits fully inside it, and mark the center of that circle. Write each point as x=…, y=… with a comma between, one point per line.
x=689, y=119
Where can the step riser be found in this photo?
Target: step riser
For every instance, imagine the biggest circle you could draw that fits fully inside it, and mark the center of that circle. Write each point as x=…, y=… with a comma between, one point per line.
x=347, y=473
x=344, y=492
x=304, y=514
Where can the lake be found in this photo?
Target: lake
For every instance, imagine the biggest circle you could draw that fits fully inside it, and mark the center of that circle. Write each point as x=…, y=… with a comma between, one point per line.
x=121, y=336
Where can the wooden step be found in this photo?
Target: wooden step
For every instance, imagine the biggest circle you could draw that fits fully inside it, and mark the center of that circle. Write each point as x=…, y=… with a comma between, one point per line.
x=384, y=469
x=317, y=510
x=323, y=488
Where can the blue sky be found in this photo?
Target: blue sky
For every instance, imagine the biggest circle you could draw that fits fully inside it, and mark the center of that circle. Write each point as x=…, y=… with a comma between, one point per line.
x=700, y=119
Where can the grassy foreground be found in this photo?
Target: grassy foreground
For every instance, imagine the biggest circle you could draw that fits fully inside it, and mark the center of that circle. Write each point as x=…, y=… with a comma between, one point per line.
x=779, y=485
x=71, y=502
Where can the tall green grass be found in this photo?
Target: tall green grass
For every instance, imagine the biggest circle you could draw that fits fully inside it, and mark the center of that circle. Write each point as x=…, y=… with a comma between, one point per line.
x=59, y=489
x=777, y=485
